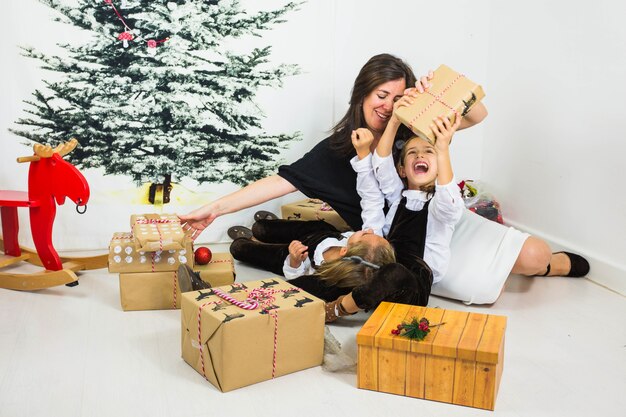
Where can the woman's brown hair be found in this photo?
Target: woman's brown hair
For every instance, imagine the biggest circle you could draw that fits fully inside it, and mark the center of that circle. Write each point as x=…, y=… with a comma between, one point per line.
x=378, y=70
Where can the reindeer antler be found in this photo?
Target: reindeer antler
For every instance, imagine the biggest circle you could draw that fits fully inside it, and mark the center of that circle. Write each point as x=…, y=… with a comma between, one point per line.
x=43, y=151
x=46, y=151
x=67, y=147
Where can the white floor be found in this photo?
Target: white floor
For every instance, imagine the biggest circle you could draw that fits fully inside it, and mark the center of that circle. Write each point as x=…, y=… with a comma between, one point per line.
x=73, y=352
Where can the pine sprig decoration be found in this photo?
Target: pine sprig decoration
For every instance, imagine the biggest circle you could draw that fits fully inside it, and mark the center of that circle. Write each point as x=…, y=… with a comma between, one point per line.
x=416, y=329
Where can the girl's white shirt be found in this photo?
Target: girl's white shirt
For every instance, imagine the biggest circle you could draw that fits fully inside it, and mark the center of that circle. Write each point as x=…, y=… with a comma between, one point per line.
x=305, y=267
x=377, y=180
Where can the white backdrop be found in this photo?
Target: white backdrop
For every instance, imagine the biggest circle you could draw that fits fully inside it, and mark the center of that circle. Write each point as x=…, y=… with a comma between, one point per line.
x=553, y=74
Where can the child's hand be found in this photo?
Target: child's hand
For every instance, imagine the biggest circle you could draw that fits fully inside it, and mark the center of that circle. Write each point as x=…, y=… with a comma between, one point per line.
x=443, y=130
x=297, y=253
x=406, y=100
x=421, y=85
x=362, y=140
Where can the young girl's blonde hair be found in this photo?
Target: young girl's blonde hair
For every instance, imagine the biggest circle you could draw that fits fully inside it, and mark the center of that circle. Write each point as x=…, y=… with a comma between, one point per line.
x=345, y=273
x=430, y=188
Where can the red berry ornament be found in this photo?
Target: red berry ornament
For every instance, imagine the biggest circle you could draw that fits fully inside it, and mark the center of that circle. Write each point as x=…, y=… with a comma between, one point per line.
x=203, y=255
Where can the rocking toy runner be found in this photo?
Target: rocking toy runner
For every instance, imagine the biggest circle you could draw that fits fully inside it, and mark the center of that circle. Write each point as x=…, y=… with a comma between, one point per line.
x=50, y=181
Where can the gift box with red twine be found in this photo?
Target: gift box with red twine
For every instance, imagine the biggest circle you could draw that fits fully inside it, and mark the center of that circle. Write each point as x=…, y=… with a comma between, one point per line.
x=157, y=232
x=149, y=291
x=124, y=256
x=313, y=209
x=219, y=271
x=450, y=95
x=250, y=332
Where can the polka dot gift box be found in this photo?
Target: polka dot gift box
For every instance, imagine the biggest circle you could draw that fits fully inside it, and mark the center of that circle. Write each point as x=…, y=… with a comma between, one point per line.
x=125, y=257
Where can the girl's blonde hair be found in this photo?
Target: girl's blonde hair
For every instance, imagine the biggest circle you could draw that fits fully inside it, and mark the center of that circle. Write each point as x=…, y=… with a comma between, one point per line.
x=344, y=273
x=430, y=188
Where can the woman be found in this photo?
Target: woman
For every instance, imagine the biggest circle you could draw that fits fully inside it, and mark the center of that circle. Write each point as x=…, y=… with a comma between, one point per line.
x=381, y=82
x=325, y=173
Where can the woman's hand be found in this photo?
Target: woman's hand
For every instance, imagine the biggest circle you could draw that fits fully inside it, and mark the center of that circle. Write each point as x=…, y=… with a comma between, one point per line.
x=444, y=130
x=297, y=253
x=423, y=83
x=362, y=139
x=195, y=222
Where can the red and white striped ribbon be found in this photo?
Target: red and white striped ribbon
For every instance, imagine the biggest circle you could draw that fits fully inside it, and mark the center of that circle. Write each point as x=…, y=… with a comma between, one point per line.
x=200, y=334
x=175, y=287
x=249, y=304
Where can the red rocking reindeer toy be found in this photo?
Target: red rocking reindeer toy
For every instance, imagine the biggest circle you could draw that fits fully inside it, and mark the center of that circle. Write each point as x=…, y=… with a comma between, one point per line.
x=50, y=181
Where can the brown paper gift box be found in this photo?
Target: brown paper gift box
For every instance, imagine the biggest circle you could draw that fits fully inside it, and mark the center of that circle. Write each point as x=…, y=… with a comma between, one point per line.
x=459, y=362
x=124, y=257
x=154, y=232
x=313, y=209
x=449, y=91
x=149, y=291
x=233, y=347
x=220, y=271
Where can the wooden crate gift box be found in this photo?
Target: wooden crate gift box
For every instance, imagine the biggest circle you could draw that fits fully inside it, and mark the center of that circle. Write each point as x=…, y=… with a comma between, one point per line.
x=459, y=362
x=233, y=347
x=449, y=92
x=124, y=256
x=313, y=209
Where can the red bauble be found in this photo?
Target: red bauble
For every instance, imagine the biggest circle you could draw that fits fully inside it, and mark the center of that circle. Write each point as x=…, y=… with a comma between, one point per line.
x=203, y=255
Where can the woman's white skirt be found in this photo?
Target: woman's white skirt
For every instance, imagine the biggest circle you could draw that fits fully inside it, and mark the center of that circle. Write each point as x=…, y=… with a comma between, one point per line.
x=483, y=253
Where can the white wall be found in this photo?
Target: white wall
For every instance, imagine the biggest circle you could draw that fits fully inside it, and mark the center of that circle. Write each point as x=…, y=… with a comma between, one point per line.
x=554, y=140
x=553, y=74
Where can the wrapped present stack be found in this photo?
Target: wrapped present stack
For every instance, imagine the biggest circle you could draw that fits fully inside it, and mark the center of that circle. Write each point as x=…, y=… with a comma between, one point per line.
x=148, y=257
x=442, y=355
x=246, y=333
x=449, y=95
x=313, y=209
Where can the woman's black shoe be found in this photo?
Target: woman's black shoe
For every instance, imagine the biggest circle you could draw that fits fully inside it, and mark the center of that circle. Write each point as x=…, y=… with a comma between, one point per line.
x=264, y=215
x=579, y=265
x=237, y=232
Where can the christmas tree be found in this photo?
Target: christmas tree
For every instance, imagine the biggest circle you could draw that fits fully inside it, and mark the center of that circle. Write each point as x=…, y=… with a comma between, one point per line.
x=153, y=92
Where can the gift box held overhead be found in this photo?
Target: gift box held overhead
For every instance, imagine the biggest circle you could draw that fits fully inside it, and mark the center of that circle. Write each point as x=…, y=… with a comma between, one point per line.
x=250, y=332
x=124, y=257
x=459, y=360
x=313, y=209
x=449, y=95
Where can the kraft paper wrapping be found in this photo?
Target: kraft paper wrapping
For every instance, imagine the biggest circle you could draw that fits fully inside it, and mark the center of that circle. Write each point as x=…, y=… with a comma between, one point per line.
x=154, y=232
x=149, y=291
x=220, y=271
x=449, y=92
x=237, y=345
x=313, y=209
x=124, y=257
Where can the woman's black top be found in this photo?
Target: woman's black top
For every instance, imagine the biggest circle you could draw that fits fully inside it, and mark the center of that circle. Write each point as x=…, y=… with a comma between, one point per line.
x=323, y=175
